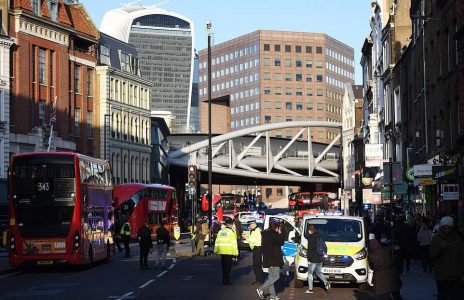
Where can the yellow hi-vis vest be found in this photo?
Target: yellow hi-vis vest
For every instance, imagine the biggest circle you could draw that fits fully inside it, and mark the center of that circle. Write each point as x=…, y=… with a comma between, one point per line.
x=124, y=232
x=254, y=240
x=226, y=242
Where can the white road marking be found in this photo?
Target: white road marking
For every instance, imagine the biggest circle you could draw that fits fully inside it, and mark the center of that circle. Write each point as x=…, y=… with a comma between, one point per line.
x=145, y=284
x=161, y=274
x=188, y=277
x=171, y=266
x=8, y=275
x=125, y=296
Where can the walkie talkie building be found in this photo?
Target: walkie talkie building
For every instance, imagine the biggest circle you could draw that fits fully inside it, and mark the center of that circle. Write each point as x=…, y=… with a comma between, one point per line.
x=164, y=42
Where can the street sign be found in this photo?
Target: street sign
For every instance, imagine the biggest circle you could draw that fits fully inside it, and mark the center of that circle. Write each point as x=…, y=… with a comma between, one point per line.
x=176, y=232
x=401, y=189
x=450, y=191
x=410, y=174
x=442, y=173
x=397, y=173
x=192, y=191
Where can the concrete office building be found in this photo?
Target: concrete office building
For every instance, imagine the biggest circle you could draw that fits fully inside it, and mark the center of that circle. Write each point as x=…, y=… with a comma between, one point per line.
x=276, y=76
x=164, y=42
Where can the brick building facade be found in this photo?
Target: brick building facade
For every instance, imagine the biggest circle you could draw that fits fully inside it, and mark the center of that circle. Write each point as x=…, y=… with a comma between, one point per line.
x=53, y=65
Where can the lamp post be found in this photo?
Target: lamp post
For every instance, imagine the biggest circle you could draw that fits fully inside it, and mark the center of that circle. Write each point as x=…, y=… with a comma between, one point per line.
x=210, y=158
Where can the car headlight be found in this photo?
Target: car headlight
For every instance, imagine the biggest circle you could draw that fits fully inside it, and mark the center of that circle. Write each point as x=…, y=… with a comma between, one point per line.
x=302, y=251
x=361, y=254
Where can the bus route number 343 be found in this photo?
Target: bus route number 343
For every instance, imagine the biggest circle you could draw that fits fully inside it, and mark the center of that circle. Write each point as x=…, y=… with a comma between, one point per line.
x=43, y=186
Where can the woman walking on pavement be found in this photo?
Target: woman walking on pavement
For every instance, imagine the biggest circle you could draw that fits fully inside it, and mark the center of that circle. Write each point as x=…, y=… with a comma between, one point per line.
x=271, y=242
x=424, y=237
x=386, y=279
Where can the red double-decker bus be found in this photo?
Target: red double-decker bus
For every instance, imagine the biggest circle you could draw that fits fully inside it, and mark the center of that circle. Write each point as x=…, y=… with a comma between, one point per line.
x=312, y=202
x=136, y=202
x=218, y=209
x=60, y=209
x=232, y=203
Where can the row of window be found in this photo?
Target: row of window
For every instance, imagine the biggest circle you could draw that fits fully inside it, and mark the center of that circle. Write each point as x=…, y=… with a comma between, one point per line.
x=288, y=63
x=289, y=91
x=329, y=52
x=335, y=82
x=289, y=105
x=137, y=171
x=129, y=93
x=52, y=8
x=339, y=71
x=288, y=48
x=245, y=122
x=277, y=119
x=244, y=94
x=231, y=56
x=244, y=108
x=230, y=84
x=231, y=70
x=127, y=62
x=289, y=76
x=134, y=130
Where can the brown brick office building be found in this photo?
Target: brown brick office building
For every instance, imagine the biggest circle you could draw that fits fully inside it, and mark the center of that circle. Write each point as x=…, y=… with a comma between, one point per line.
x=53, y=57
x=275, y=76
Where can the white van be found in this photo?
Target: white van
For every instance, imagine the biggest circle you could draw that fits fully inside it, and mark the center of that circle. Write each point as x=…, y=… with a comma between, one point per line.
x=346, y=259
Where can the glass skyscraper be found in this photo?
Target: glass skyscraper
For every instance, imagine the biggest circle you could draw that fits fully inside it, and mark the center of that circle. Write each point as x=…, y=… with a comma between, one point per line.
x=164, y=43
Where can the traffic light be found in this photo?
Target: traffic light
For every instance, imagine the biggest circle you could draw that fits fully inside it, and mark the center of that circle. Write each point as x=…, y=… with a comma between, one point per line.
x=192, y=178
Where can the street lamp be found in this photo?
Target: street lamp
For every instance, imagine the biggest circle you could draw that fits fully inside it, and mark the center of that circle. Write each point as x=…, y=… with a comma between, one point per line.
x=210, y=158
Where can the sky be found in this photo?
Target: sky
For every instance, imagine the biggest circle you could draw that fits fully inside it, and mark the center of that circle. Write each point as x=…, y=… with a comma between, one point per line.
x=345, y=20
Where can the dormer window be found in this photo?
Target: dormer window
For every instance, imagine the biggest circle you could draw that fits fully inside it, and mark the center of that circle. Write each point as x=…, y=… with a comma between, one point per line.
x=53, y=8
x=36, y=7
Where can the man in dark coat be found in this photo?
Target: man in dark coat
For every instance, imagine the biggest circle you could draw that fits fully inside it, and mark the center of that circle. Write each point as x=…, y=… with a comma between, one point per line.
x=145, y=244
x=238, y=231
x=163, y=242
x=315, y=260
x=271, y=243
x=386, y=280
x=447, y=255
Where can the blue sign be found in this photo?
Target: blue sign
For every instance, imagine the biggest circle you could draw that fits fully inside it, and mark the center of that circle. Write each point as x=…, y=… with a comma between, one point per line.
x=289, y=249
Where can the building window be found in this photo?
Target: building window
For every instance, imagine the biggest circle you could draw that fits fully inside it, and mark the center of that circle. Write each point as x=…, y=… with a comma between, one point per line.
x=77, y=79
x=319, y=78
x=267, y=91
x=267, y=76
x=298, y=63
x=267, y=47
x=52, y=57
x=309, y=78
x=90, y=82
x=36, y=7
x=277, y=105
x=267, y=61
x=309, y=64
x=299, y=106
x=77, y=122
x=41, y=113
x=279, y=191
x=288, y=62
x=299, y=77
x=267, y=119
x=278, y=135
x=278, y=77
x=288, y=48
x=53, y=8
x=278, y=91
x=105, y=55
x=320, y=106
x=124, y=61
x=288, y=119
x=318, y=50
x=319, y=64
x=309, y=92
x=267, y=104
x=298, y=49
x=309, y=106
x=288, y=91
x=268, y=192
x=288, y=105
x=288, y=76
x=299, y=92
x=89, y=124
x=277, y=48
x=277, y=62
x=33, y=63
x=309, y=49
x=320, y=92
x=42, y=66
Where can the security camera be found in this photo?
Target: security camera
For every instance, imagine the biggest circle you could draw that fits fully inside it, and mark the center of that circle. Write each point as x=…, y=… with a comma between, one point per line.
x=208, y=24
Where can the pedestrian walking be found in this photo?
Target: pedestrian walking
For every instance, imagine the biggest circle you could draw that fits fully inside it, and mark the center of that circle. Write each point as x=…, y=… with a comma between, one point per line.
x=254, y=240
x=163, y=242
x=386, y=281
x=271, y=243
x=315, y=253
x=145, y=245
x=424, y=237
x=237, y=227
x=447, y=255
x=226, y=246
x=215, y=228
x=125, y=235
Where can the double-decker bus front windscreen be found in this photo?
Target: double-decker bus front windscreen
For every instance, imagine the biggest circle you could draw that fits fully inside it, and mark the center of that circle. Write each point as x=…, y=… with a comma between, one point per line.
x=43, y=194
